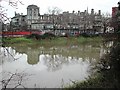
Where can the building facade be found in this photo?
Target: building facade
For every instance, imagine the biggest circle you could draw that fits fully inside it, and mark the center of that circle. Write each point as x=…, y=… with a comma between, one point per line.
x=32, y=16
x=82, y=22
x=18, y=22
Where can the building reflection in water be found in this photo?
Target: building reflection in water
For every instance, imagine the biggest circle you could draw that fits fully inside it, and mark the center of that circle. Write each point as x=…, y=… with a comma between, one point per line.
x=54, y=57
x=54, y=63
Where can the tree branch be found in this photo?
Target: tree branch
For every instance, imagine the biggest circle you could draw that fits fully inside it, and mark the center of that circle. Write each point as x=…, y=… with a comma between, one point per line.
x=3, y=14
x=13, y=78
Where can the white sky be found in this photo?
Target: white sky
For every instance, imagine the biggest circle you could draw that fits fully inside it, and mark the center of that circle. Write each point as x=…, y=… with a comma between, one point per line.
x=64, y=5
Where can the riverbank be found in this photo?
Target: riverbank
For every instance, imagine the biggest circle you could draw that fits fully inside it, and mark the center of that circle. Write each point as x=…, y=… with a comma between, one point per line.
x=53, y=41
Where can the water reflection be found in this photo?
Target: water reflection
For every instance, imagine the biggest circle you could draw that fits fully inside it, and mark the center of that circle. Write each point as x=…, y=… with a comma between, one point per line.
x=83, y=51
x=33, y=57
x=52, y=64
x=55, y=62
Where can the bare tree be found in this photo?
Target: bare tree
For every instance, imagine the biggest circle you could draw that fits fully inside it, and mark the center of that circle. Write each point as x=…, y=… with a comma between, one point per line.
x=3, y=10
x=54, y=13
x=106, y=15
x=3, y=17
x=3, y=13
x=15, y=79
x=106, y=19
x=54, y=10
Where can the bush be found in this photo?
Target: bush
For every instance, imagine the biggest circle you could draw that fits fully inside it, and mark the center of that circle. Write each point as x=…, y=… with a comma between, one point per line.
x=44, y=36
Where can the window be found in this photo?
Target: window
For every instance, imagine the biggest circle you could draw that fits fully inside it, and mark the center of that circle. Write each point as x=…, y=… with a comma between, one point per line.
x=23, y=19
x=34, y=14
x=17, y=20
x=30, y=12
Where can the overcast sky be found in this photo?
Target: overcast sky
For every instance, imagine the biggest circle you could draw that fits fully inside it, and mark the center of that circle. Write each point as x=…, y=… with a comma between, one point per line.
x=64, y=5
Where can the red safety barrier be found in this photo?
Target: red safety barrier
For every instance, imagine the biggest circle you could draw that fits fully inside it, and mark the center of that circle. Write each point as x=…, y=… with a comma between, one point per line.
x=17, y=33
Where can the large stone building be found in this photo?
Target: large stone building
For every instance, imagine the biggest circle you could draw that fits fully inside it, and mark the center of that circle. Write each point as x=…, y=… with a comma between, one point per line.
x=64, y=22
x=32, y=16
x=18, y=22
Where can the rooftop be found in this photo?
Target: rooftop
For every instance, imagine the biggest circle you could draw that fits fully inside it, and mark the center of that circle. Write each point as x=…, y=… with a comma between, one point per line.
x=32, y=6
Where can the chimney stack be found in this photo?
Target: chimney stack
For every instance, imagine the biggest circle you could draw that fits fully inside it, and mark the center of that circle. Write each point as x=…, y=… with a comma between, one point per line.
x=92, y=11
x=99, y=12
x=73, y=12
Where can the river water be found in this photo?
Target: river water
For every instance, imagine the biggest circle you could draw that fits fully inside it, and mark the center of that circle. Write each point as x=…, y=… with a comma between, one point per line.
x=49, y=67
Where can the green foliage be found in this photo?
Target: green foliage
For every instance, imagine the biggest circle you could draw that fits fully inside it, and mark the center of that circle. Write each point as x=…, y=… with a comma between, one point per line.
x=118, y=14
x=91, y=82
x=39, y=37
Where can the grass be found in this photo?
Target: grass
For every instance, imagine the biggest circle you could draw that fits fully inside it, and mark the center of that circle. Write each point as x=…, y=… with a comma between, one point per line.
x=54, y=41
x=16, y=40
x=70, y=40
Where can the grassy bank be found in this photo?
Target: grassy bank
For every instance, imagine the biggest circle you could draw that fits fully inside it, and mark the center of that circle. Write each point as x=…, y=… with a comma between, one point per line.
x=53, y=41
